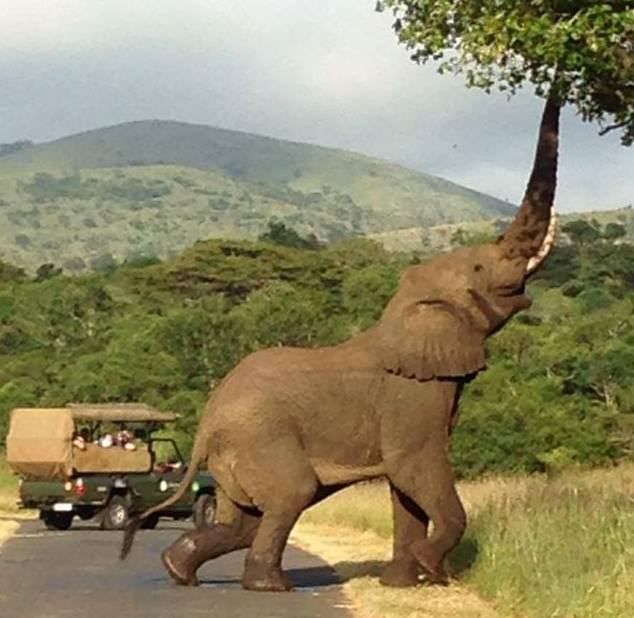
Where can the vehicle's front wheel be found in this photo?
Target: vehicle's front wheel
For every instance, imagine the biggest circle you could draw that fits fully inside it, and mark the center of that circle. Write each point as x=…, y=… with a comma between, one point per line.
x=116, y=514
x=204, y=511
x=57, y=521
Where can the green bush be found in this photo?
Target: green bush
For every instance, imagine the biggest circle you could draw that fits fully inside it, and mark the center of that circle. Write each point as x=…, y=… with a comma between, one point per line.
x=559, y=389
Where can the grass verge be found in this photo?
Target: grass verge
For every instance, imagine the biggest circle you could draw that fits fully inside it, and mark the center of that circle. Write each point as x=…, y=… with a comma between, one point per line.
x=7, y=528
x=8, y=488
x=358, y=558
x=8, y=495
x=536, y=547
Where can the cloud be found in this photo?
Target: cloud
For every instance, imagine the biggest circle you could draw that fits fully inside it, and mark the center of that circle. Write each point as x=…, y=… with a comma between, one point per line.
x=328, y=72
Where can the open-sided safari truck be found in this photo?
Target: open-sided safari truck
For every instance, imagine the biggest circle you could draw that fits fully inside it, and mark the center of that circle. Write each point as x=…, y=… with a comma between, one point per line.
x=69, y=464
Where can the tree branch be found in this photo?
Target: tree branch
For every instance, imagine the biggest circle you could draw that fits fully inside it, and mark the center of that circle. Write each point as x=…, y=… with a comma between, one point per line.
x=612, y=127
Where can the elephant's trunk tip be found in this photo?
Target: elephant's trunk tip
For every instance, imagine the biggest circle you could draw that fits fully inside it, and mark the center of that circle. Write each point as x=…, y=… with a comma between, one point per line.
x=128, y=536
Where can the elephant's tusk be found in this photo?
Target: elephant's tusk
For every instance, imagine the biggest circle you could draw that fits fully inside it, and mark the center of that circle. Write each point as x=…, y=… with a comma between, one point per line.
x=547, y=244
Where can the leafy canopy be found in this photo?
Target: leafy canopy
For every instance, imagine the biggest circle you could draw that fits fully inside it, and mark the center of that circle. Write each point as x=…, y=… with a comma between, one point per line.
x=559, y=389
x=591, y=44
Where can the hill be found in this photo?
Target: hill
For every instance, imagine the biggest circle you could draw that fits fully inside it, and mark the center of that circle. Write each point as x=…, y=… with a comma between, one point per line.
x=446, y=236
x=154, y=187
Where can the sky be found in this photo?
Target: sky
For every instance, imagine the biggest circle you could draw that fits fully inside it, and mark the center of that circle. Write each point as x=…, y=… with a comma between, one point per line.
x=329, y=72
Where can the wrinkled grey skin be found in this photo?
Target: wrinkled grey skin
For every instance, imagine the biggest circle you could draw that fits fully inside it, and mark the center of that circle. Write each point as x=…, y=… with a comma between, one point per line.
x=289, y=426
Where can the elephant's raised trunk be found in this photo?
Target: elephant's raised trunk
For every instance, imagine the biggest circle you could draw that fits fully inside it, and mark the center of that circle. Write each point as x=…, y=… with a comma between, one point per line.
x=532, y=228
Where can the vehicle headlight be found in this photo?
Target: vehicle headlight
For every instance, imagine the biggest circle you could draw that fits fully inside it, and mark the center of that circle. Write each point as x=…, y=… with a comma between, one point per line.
x=163, y=485
x=195, y=486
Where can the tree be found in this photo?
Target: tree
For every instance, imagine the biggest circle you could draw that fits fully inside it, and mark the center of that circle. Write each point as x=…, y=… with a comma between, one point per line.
x=366, y=291
x=22, y=241
x=8, y=272
x=47, y=271
x=467, y=238
x=614, y=231
x=12, y=148
x=280, y=314
x=590, y=44
x=104, y=263
x=280, y=234
x=581, y=232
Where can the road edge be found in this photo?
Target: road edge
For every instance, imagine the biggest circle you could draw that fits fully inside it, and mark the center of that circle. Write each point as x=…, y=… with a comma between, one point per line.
x=358, y=558
x=8, y=526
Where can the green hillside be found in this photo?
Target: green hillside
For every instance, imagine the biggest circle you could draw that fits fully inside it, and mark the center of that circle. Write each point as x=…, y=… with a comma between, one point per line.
x=154, y=187
x=444, y=237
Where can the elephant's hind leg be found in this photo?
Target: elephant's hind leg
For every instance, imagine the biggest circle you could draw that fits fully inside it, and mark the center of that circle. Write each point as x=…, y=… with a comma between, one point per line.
x=410, y=525
x=427, y=478
x=286, y=485
x=234, y=530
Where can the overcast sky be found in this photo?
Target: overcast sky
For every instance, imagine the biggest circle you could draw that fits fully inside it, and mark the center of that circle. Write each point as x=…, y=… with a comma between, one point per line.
x=328, y=72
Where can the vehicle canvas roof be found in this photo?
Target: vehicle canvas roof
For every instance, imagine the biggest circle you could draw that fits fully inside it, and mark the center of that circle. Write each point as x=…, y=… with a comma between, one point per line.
x=119, y=412
x=107, y=412
x=39, y=441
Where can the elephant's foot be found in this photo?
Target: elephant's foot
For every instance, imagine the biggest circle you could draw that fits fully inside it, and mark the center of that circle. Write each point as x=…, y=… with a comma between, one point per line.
x=181, y=560
x=262, y=577
x=178, y=571
x=433, y=567
x=401, y=573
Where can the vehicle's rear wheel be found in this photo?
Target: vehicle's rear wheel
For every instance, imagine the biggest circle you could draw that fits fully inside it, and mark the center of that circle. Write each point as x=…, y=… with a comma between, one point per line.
x=116, y=514
x=150, y=522
x=57, y=521
x=204, y=511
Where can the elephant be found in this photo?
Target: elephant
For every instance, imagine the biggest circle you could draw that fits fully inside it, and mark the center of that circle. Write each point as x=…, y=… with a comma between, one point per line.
x=288, y=427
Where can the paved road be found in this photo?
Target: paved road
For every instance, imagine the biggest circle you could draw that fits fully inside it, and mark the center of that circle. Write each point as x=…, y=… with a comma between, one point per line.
x=77, y=573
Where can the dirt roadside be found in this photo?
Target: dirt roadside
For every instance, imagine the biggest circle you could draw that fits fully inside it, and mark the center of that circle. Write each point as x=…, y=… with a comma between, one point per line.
x=7, y=527
x=358, y=558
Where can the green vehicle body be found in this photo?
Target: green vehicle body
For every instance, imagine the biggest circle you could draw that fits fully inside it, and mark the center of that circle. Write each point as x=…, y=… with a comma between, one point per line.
x=89, y=495
x=111, y=497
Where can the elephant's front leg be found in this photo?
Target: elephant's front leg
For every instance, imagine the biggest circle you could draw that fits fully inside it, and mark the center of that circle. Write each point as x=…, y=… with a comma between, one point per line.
x=410, y=525
x=426, y=476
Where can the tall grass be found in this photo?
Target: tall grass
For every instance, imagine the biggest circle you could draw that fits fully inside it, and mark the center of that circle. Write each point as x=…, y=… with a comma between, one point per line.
x=538, y=547
x=563, y=548
x=363, y=507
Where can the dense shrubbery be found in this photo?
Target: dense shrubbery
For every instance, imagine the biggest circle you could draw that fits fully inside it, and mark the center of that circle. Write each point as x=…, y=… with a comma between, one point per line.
x=45, y=187
x=559, y=389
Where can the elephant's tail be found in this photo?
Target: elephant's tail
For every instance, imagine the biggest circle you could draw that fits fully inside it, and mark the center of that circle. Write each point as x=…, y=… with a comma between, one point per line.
x=199, y=452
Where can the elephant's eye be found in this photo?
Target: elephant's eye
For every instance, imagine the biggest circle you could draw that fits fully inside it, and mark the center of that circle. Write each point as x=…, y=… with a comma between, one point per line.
x=477, y=268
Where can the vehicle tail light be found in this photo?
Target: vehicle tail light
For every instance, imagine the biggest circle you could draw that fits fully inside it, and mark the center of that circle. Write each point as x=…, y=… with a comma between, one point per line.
x=80, y=487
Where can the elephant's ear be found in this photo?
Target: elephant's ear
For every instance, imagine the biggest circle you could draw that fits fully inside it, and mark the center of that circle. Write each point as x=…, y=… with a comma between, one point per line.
x=431, y=339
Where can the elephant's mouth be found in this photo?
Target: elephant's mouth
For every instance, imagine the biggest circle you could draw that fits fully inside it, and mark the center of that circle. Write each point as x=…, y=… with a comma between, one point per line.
x=517, y=302
x=512, y=291
x=500, y=306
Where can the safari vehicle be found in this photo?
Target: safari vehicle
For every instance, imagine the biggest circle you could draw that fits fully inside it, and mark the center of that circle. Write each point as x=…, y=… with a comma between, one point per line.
x=65, y=471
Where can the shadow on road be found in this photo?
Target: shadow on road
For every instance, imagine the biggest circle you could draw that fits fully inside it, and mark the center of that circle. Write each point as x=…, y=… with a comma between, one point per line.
x=309, y=577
